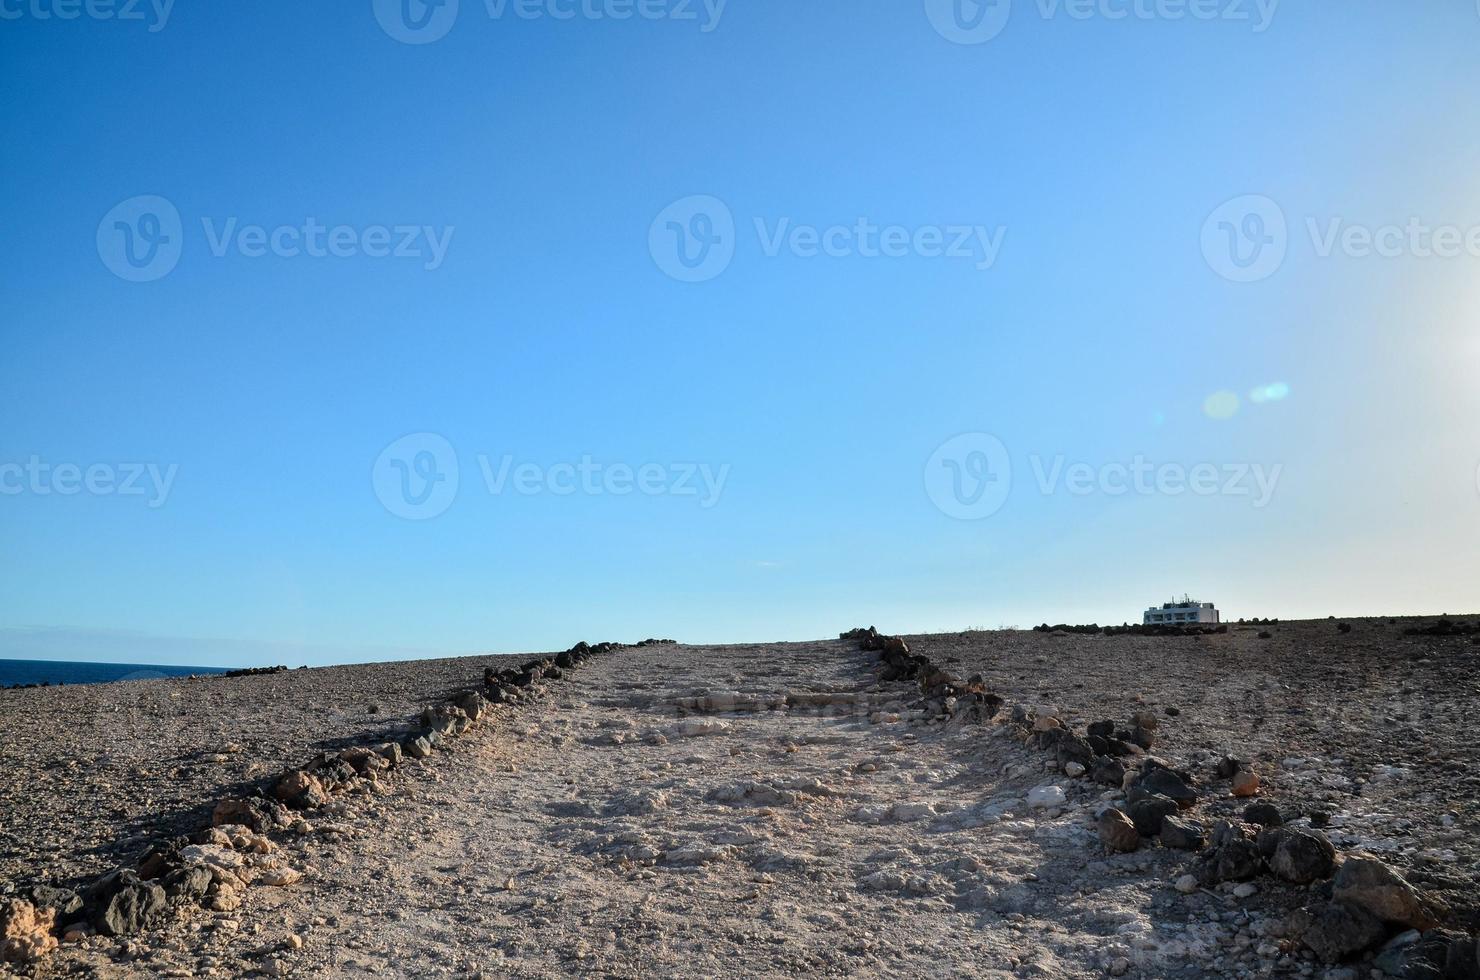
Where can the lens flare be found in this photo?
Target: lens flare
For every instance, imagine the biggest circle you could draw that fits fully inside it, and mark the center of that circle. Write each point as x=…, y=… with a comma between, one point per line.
x=1276, y=391
x=1221, y=405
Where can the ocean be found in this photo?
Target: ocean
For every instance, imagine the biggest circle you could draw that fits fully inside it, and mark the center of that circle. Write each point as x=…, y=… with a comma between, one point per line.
x=14, y=672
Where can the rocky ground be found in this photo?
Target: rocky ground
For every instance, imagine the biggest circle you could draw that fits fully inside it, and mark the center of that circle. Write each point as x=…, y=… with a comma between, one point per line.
x=753, y=810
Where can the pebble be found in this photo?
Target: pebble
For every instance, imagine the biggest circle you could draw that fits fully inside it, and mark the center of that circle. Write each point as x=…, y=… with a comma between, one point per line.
x=1187, y=884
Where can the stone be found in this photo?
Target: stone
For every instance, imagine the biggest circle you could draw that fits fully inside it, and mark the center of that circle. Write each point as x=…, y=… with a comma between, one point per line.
x=1335, y=930
x=1228, y=766
x=1169, y=784
x=1102, y=729
x=1073, y=749
x=1373, y=886
x=391, y=752
x=1146, y=720
x=1235, y=853
x=1392, y=958
x=1046, y=797
x=1187, y=884
x=1245, y=783
x=1246, y=890
x=472, y=704
x=365, y=762
x=1300, y=856
x=122, y=904
x=1073, y=770
x=251, y=812
x=25, y=931
x=300, y=790
x=1142, y=737
x=1183, y=835
x=1117, y=832
x=64, y=901
x=1149, y=813
x=1263, y=814
x=187, y=885
x=418, y=747
x=1441, y=953
x=693, y=727
x=1107, y=771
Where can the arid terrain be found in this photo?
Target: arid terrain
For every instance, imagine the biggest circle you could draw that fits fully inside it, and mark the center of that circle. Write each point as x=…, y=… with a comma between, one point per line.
x=753, y=810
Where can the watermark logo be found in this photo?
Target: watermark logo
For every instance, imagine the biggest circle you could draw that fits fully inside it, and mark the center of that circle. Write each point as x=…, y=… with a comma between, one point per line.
x=427, y=244
x=140, y=239
x=592, y=478
x=154, y=12
x=1246, y=239
x=425, y=21
x=969, y=21
x=1259, y=13
x=693, y=239
x=969, y=477
x=38, y=478
x=416, y=477
x=1144, y=478
x=416, y=21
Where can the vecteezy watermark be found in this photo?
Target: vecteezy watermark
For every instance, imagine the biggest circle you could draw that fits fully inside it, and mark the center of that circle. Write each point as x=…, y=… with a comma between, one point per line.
x=142, y=239
x=591, y=477
x=968, y=21
x=969, y=477
x=694, y=239
x=979, y=21
x=1144, y=478
x=425, y=21
x=1247, y=239
x=417, y=477
x=38, y=478
x=155, y=13
x=426, y=243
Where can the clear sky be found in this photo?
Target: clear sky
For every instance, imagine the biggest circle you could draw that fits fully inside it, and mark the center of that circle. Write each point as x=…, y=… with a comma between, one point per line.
x=727, y=322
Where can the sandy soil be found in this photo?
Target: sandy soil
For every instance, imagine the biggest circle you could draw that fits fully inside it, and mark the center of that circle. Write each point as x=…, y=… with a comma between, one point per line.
x=613, y=829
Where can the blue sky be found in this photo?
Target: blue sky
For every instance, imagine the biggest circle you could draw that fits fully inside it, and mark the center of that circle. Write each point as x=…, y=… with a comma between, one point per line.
x=247, y=415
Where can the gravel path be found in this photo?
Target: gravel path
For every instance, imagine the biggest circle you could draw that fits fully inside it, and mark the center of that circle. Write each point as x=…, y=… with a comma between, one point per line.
x=624, y=826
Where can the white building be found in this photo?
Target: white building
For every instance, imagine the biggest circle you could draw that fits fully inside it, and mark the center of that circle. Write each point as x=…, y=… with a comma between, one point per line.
x=1185, y=610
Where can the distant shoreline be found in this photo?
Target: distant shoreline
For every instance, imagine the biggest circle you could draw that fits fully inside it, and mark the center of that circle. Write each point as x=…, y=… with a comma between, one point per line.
x=53, y=673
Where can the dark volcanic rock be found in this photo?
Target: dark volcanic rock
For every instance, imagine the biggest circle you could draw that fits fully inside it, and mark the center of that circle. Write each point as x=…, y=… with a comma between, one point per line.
x=1184, y=835
x=64, y=901
x=1263, y=814
x=1300, y=856
x=121, y=904
x=1117, y=832
x=1234, y=854
x=1108, y=771
x=1334, y=931
x=1372, y=885
x=187, y=884
x=1166, y=783
x=1148, y=814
